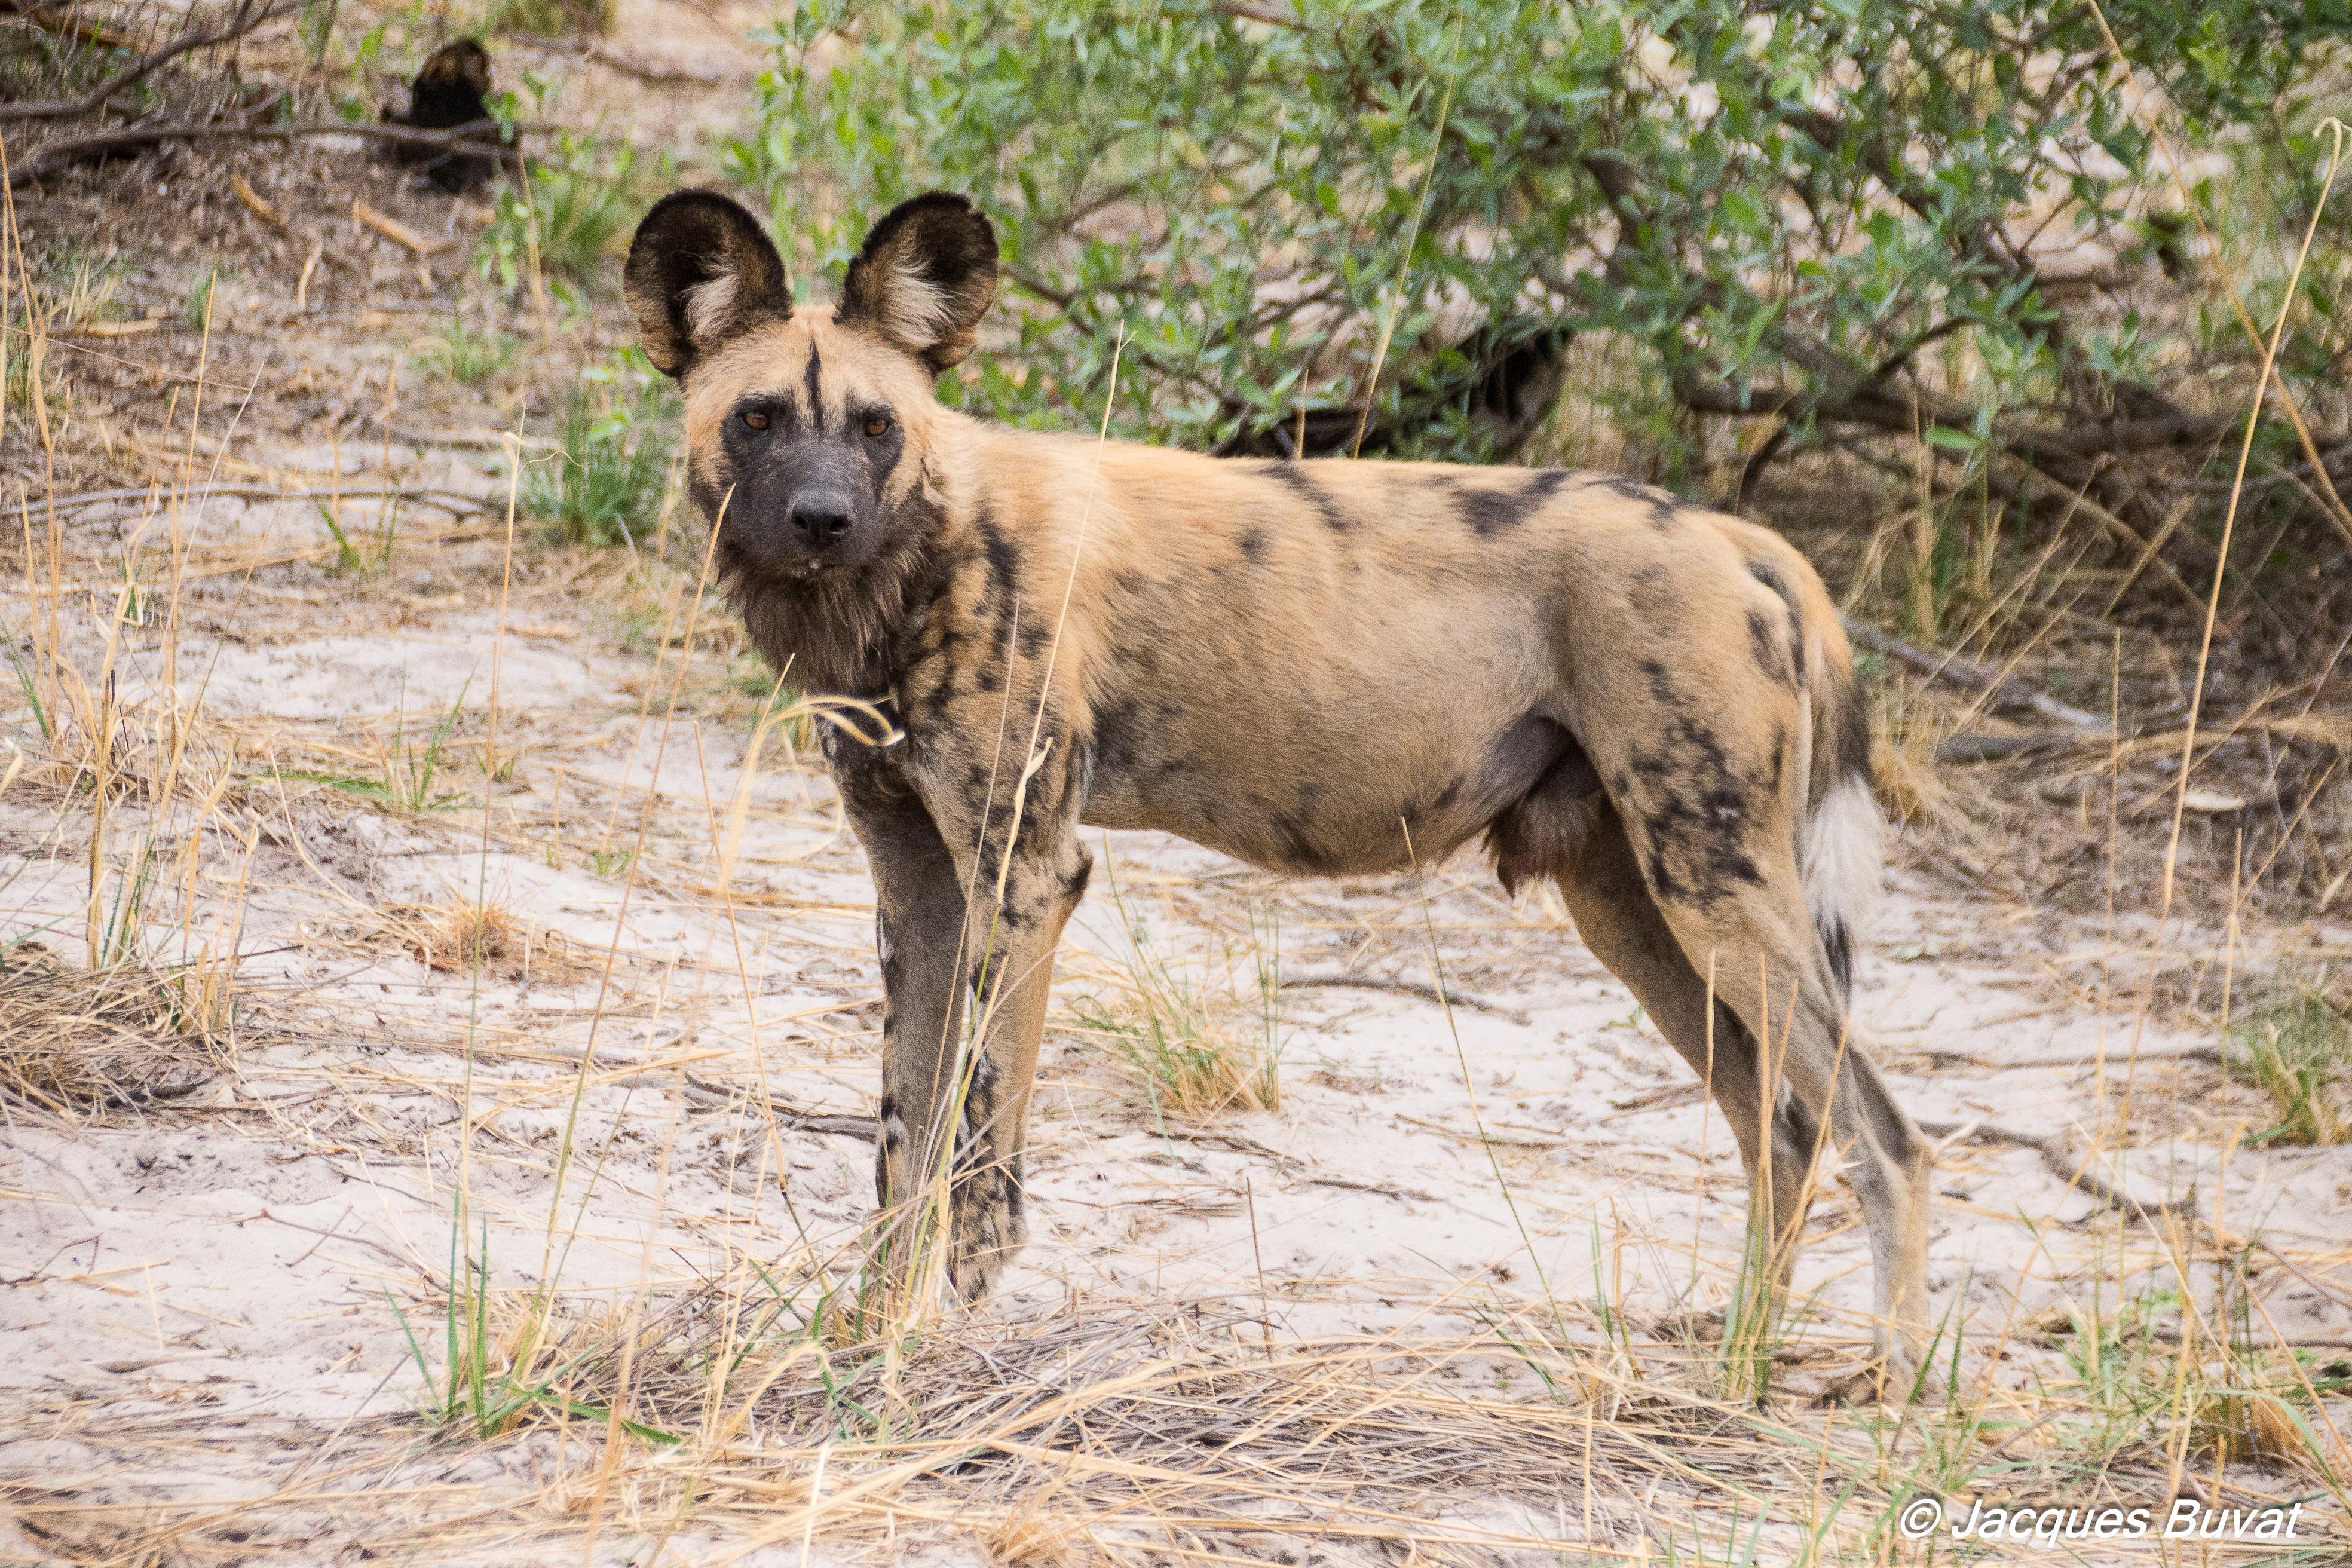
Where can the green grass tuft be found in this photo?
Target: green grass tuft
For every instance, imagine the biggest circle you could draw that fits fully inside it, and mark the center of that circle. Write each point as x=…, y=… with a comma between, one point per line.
x=2297, y=1048
x=466, y=354
x=604, y=485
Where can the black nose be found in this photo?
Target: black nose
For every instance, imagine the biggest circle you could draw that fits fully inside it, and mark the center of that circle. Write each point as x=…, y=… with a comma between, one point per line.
x=819, y=520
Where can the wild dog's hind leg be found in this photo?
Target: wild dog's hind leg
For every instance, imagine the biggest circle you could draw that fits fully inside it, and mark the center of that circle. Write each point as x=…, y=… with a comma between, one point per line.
x=1770, y=971
x=1702, y=762
x=1618, y=921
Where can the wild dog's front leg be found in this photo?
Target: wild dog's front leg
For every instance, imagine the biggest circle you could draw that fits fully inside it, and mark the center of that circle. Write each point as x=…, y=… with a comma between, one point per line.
x=1026, y=876
x=919, y=900
x=969, y=900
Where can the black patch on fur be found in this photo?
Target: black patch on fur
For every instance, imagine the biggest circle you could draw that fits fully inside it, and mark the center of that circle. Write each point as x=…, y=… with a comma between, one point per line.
x=1849, y=735
x=1838, y=943
x=1764, y=572
x=1003, y=556
x=1764, y=643
x=1118, y=735
x=1252, y=544
x=1664, y=510
x=1296, y=831
x=1651, y=593
x=883, y=452
x=1491, y=512
x=1313, y=494
x=1696, y=809
x=810, y=387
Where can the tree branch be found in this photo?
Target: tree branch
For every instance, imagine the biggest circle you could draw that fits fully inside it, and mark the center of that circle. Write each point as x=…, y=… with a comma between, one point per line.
x=68, y=151
x=1952, y=670
x=243, y=21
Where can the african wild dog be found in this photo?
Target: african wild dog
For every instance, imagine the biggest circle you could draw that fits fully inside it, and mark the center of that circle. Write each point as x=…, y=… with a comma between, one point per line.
x=451, y=89
x=1298, y=663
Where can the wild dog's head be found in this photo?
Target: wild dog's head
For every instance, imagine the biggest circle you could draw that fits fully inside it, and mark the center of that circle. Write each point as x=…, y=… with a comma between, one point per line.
x=808, y=431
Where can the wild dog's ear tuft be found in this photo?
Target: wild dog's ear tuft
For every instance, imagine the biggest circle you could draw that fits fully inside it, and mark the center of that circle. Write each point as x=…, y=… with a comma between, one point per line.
x=700, y=269
x=925, y=279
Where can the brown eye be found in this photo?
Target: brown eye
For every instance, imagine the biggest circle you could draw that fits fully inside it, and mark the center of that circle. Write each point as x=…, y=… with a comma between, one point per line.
x=755, y=419
x=877, y=426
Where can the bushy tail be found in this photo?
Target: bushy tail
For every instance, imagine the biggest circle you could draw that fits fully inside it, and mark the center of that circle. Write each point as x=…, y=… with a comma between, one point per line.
x=1841, y=838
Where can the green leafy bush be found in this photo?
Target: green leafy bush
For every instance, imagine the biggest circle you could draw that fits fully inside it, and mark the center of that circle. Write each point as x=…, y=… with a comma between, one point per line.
x=1852, y=221
x=468, y=355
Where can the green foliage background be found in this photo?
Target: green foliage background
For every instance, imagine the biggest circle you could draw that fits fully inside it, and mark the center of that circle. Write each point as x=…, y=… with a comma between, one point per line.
x=1817, y=211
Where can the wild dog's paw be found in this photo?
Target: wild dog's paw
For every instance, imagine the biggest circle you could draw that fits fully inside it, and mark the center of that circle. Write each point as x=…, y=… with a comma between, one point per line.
x=989, y=1228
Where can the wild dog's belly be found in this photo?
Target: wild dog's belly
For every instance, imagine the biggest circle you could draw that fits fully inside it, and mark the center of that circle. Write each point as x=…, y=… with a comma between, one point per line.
x=1306, y=791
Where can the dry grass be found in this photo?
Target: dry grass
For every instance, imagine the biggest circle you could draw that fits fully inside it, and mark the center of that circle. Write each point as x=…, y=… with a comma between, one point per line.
x=461, y=937
x=77, y=1041
x=1132, y=1425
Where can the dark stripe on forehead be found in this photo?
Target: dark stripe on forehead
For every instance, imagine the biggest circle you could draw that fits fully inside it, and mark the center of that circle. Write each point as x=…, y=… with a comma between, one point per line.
x=815, y=398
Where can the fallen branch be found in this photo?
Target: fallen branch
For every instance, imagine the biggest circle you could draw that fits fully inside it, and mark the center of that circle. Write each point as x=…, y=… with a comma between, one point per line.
x=1953, y=670
x=2205, y=1054
x=1405, y=987
x=146, y=65
x=862, y=1127
x=457, y=503
x=49, y=21
x=2063, y=1159
x=66, y=151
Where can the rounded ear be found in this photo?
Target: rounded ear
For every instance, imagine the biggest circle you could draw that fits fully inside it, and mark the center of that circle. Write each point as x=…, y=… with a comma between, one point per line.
x=700, y=270
x=462, y=60
x=925, y=276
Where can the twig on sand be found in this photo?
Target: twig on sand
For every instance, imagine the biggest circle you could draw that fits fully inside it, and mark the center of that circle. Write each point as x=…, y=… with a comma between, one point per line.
x=2064, y=1159
x=399, y=233
x=1290, y=1165
x=1408, y=987
x=2006, y=691
x=707, y=1092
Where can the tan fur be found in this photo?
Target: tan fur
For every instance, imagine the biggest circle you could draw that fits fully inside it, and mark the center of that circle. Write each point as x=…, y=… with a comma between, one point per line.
x=1325, y=668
